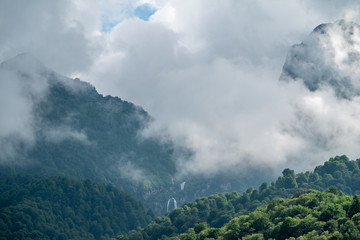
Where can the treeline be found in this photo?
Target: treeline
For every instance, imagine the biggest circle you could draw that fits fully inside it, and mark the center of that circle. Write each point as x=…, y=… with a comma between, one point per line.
x=61, y=208
x=312, y=215
x=219, y=209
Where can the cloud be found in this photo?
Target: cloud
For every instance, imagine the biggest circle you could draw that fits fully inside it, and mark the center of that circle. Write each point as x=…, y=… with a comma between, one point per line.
x=324, y=125
x=206, y=70
x=62, y=133
x=57, y=33
x=22, y=85
x=209, y=73
x=224, y=125
x=129, y=171
x=326, y=119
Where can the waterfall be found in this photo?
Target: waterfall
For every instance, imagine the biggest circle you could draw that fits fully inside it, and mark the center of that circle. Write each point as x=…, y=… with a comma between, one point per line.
x=168, y=204
x=175, y=203
x=182, y=185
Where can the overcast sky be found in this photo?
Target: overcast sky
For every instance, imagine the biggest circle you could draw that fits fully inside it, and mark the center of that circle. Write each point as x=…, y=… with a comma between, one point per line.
x=206, y=70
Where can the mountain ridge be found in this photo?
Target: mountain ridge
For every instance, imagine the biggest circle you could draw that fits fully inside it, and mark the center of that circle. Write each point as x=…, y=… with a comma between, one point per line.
x=319, y=61
x=75, y=131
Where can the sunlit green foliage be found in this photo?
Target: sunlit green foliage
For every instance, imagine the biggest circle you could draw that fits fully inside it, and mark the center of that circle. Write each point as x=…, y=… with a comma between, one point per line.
x=337, y=175
x=299, y=218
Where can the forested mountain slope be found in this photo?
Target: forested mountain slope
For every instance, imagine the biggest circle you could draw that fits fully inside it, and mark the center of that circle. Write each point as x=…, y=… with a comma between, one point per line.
x=311, y=215
x=72, y=130
x=218, y=209
x=64, y=127
x=61, y=208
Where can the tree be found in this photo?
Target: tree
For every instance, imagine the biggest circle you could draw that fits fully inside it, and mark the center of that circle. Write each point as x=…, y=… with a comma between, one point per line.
x=355, y=206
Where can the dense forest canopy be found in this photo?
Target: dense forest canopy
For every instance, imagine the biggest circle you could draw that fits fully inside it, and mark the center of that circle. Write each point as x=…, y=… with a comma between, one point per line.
x=311, y=215
x=62, y=208
x=338, y=173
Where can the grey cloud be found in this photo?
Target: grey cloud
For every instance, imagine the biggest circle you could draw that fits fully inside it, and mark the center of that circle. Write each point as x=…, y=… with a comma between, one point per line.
x=62, y=133
x=20, y=89
x=324, y=126
x=140, y=52
x=209, y=76
x=325, y=120
x=49, y=30
x=206, y=70
x=129, y=171
x=24, y=84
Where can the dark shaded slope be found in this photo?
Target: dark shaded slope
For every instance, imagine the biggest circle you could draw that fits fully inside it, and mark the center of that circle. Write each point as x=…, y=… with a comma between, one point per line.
x=103, y=136
x=61, y=208
x=72, y=130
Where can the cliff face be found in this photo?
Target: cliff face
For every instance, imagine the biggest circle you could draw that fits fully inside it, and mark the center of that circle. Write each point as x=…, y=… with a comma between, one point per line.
x=328, y=58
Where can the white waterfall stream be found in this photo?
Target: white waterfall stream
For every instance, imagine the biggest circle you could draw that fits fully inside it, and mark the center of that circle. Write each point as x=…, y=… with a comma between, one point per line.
x=182, y=185
x=168, y=203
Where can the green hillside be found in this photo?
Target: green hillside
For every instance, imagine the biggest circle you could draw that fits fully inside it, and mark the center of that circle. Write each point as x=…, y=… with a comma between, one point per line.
x=311, y=215
x=82, y=134
x=219, y=209
x=61, y=208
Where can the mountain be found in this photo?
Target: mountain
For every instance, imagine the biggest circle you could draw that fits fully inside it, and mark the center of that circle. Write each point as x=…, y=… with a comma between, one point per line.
x=68, y=129
x=57, y=126
x=52, y=125
x=328, y=57
x=54, y=129
x=61, y=208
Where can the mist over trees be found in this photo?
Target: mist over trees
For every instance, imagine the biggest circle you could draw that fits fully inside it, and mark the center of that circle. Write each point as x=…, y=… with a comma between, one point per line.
x=72, y=130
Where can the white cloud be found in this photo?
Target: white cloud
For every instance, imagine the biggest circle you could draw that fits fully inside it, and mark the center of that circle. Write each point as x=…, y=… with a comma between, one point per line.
x=62, y=133
x=20, y=90
x=131, y=172
x=206, y=70
x=325, y=126
x=24, y=83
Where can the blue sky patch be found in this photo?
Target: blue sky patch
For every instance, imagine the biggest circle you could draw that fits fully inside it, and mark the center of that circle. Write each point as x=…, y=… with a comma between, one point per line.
x=107, y=25
x=144, y=11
